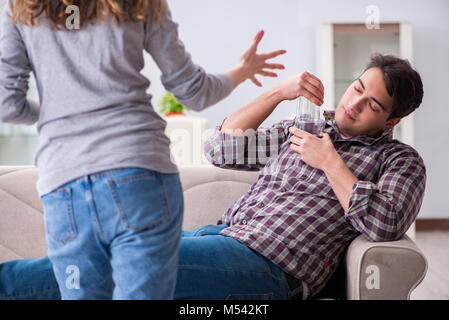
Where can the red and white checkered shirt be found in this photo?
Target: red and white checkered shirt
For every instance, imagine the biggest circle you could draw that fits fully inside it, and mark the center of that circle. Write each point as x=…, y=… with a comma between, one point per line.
x=291, y=214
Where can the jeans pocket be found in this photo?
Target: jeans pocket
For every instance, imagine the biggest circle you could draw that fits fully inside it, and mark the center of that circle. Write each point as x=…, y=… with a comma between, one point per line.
x=209, y=229
x=140, y=200
x=58, y=215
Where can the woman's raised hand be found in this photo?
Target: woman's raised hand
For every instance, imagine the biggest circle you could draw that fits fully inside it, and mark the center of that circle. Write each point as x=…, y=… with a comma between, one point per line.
x=252, y=64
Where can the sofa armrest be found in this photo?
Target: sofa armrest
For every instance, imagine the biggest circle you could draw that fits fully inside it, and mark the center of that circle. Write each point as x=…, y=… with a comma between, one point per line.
x=383, y=270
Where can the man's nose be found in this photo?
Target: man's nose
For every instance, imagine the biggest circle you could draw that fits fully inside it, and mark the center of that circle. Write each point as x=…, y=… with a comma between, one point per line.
x=356, y=105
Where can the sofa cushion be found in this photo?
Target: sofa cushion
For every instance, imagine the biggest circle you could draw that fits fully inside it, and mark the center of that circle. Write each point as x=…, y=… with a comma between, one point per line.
x=209, y=191
x=22, y=231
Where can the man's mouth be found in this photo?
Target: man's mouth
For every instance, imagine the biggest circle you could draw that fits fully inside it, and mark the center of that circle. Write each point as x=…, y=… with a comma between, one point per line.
x=348, y=115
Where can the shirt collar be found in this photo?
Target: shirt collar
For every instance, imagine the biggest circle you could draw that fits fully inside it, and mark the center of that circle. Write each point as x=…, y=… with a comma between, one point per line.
x=332, y=129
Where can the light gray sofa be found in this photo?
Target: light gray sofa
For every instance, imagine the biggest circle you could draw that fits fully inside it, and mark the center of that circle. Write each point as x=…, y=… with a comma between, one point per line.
x=383, y=270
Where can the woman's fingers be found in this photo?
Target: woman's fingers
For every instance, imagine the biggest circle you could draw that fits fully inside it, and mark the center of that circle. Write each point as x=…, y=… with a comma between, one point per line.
x=256, y=41
x=255, y=81
x=267, y=74
x=253, y=63
x=273, y=66
x=273, y=54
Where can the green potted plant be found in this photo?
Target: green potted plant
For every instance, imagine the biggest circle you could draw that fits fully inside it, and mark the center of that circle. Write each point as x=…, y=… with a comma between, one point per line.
x=170, y=106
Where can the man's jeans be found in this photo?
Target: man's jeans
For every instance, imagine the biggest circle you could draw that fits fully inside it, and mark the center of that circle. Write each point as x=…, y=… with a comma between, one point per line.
x=115, y=234
x=211, y=266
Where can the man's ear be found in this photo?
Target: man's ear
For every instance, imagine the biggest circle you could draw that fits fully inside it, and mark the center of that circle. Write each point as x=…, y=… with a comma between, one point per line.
x=391, y=123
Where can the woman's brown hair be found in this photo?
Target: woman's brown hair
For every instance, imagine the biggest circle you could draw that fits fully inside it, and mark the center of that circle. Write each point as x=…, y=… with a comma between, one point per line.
x=26, y=11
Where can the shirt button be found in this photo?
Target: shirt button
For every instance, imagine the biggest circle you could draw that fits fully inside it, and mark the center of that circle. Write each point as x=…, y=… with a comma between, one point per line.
x=260, y=205
x=244, y=221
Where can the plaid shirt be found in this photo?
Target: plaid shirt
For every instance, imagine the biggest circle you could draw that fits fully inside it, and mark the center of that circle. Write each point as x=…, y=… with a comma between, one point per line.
x=291, y=214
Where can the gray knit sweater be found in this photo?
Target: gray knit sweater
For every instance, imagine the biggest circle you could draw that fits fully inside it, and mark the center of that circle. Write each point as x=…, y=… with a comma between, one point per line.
x=94, y=113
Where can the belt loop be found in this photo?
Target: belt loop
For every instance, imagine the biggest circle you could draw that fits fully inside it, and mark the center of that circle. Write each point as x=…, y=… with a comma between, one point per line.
x=88, y=181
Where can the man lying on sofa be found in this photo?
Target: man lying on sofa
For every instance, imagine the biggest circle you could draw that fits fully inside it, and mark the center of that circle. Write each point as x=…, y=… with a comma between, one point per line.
x=286, y=236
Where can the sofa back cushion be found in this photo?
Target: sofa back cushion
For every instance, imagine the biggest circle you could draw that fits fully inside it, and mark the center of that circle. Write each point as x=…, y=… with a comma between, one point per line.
x=210, y=191
x=22, y=231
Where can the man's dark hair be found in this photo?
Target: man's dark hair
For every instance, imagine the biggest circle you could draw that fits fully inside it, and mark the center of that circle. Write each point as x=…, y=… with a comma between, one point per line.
x=403, y=83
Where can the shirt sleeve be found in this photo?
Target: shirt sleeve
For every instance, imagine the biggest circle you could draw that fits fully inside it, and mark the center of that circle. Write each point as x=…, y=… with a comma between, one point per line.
x=188, y=82
x=384, y=211
x=248, y=151
x=15, y=71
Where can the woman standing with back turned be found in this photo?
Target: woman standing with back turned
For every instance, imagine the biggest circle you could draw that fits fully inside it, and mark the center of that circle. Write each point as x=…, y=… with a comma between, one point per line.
x=112, y=198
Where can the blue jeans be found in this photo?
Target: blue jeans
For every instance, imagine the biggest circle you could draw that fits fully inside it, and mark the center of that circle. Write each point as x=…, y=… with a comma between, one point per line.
x=115, y=234
x=211, y=266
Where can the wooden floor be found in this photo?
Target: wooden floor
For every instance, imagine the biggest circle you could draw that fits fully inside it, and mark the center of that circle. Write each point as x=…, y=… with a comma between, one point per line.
x=435, y=246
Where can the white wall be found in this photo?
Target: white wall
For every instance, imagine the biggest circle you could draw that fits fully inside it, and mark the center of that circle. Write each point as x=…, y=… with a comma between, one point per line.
x=217, y=32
